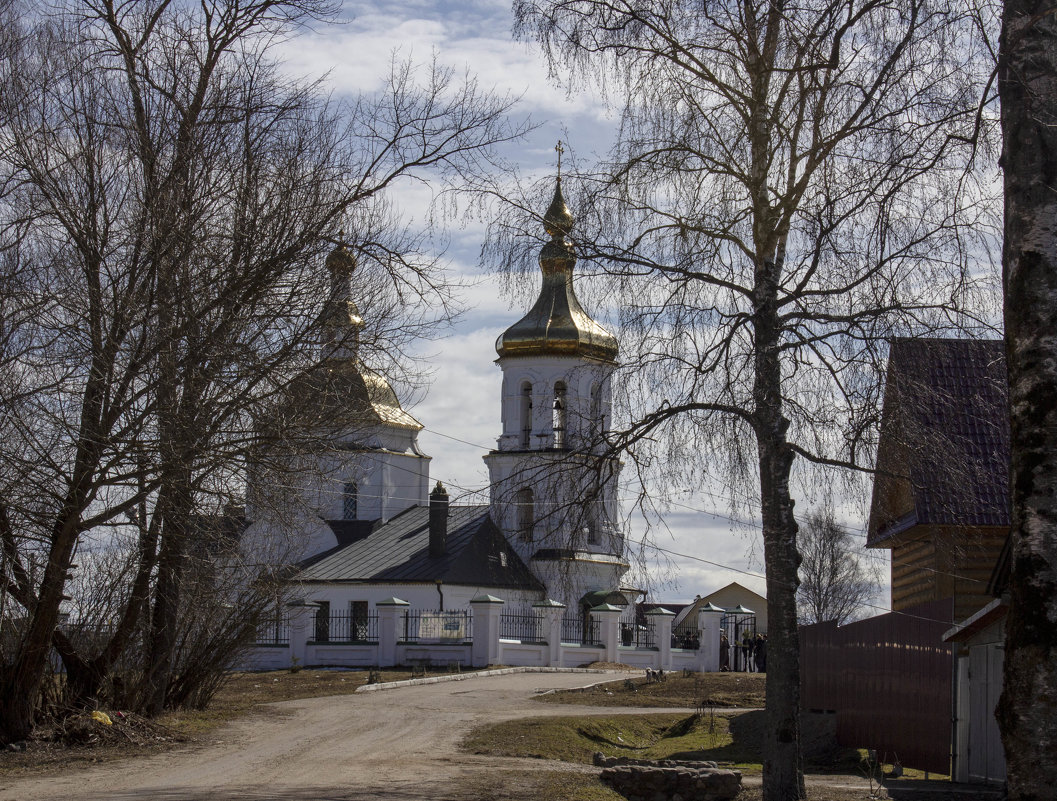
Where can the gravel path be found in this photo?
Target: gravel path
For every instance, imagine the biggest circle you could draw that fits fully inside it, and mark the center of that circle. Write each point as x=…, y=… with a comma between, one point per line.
x=391, y=745
x=394, y=744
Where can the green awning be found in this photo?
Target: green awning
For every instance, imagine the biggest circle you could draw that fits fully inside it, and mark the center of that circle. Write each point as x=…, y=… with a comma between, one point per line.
x=599, y=597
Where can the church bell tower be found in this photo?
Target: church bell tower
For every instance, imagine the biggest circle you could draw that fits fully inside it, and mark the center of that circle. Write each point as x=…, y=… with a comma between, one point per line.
x=553, y=486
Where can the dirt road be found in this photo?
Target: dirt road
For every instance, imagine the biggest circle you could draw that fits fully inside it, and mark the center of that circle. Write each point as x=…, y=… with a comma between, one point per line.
x=398, y=745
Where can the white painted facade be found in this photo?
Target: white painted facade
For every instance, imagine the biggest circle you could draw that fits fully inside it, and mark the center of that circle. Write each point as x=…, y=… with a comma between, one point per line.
x=381, y=465
x=551, y=489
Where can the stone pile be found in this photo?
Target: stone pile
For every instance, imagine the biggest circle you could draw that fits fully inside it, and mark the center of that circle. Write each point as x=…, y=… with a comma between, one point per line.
x=670, y=780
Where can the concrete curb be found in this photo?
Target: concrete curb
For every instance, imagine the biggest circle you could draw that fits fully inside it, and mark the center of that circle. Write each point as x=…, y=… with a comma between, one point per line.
x=391, y=685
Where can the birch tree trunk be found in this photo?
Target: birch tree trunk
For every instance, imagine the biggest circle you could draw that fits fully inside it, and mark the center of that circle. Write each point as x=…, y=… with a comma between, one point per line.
x=1027, y=710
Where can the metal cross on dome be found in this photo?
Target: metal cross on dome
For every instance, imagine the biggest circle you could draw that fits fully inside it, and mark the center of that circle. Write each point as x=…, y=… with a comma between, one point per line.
x=560, y=150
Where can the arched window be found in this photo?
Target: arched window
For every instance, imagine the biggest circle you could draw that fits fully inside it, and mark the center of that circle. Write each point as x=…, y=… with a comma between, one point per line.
x=526, y=514
x=596, y=411
x=526, y=414
x=350, y=501
x=594, y=536
x=559, y=417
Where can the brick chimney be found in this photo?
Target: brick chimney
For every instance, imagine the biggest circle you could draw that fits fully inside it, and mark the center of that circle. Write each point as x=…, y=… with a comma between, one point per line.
x=438, y=521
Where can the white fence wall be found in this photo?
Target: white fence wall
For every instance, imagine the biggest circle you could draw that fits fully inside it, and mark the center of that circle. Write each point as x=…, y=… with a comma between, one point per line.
x=489, y=648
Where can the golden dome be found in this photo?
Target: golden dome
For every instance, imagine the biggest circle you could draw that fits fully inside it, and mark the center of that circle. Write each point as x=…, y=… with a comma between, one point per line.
x=557, y=324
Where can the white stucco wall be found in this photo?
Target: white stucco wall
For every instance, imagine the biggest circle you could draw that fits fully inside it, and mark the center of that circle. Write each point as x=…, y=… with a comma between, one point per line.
x=543, y=373
x=289, y=507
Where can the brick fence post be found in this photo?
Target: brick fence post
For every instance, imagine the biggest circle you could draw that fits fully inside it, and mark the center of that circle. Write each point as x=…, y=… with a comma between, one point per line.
x=487, y=610
x=390, y=614
x=709, y=618
x=662, y=625
x=302, y=615
x=609, y=625
x=553, y=611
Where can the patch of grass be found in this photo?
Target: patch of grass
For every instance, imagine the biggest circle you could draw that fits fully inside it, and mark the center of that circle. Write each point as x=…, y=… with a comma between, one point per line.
x=700, y=690
x=555, y=786
x=539, y=785
x=884, y=768
x=733, y=739
x=576, y=739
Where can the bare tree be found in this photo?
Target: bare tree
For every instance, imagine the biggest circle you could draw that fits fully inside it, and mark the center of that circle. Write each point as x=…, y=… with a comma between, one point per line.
x=835, y=583
x=1027, y=710
x=790, y=185
x=172, y=197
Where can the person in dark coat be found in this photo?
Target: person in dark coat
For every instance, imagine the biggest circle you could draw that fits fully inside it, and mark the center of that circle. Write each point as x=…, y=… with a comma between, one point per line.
x=761, y=653
x=724, y=652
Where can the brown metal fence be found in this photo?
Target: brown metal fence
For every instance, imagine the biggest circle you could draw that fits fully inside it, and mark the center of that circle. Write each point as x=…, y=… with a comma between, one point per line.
x=888, y=678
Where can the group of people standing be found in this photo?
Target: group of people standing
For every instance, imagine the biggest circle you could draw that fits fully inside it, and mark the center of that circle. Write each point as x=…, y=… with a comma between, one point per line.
x=750, y=654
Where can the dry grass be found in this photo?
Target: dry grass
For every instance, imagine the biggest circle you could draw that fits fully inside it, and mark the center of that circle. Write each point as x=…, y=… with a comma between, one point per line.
x=78, y=740
x=733, y=739
x=697, y=691
x=575, y=739
x=540, y=785
x=552, y=785
x=244, y=691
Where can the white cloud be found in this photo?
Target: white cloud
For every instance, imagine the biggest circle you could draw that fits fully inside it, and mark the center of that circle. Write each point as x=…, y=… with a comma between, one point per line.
x=355, y=53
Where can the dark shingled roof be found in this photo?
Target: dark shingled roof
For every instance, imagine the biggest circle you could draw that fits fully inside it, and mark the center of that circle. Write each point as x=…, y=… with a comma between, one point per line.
x=945, y=428
x=398, y=551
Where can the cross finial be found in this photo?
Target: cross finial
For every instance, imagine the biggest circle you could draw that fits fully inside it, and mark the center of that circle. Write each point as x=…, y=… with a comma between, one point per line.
x=558, y=147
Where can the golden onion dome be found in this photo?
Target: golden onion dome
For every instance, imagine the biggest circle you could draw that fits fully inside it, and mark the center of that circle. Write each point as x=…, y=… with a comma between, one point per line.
x=557, y=324
x=341, y=389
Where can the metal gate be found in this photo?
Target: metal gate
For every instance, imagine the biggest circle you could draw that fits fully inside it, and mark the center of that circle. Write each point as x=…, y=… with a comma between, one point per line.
x=888, y=679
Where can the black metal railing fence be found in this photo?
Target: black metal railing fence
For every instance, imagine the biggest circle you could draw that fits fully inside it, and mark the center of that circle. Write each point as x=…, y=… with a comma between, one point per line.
x=524, y=625
x=274, y=632
x=345, y=627
x=576, y=630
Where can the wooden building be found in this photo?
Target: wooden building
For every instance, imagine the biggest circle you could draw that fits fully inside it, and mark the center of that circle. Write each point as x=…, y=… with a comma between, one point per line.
x=941, y=494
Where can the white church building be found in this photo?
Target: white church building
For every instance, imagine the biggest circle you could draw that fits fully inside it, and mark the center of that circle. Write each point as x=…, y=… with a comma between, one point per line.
x=365, y=530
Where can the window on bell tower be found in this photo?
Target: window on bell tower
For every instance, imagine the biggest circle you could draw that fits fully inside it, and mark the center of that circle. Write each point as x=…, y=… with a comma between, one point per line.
x=350, y=501
x=560, y=416
x=526, y=414
x=526, y=513
x=596, y=410
x=594, y=535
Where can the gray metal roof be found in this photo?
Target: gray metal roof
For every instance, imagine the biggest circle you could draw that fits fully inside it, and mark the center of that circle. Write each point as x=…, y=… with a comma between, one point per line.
x=398, y=551
x=945, y=429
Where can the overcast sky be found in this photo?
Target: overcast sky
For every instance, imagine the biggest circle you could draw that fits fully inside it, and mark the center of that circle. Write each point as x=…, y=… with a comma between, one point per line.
x=699, y=549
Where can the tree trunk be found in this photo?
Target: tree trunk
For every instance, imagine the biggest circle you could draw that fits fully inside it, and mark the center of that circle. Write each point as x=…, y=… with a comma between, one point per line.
x=1027, y=710
x=783, y=776
x=21, y=680
x=19, y=691
x=165, y=616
